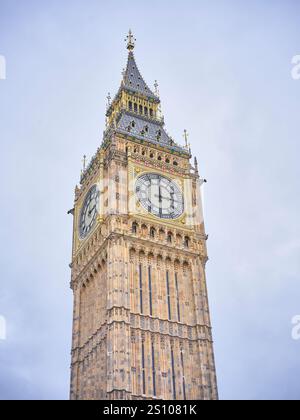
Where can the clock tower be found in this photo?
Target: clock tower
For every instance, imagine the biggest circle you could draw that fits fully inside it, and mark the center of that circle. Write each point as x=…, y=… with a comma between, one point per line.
x=141, y=324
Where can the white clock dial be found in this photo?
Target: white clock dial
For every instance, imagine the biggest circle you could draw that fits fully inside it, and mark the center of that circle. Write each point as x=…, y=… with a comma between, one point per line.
x=89, y=211
x=160, y=196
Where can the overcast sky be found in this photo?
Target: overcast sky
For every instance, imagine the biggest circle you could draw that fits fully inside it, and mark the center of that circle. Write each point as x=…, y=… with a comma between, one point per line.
x=224, y=71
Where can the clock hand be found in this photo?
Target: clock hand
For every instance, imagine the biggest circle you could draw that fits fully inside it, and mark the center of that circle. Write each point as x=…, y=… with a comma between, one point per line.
x=160, y=199
x=159, y=193
x=92, y=209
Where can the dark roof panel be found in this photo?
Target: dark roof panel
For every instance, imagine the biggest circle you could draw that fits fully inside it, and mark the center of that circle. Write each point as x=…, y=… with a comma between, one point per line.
x=133, y=79
x=146, y=130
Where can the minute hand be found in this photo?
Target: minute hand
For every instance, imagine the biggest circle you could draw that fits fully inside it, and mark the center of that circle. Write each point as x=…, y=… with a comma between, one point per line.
x=91, y=210
x=160, y=199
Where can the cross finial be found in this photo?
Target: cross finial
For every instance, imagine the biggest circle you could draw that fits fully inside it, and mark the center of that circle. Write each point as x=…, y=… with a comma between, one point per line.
x=156, y=88
x=130, y=41
x=84, y=162
x=186, y=136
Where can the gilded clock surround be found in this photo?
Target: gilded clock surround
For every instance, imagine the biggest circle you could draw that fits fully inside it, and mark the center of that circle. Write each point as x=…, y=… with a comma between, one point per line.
x=141, y=327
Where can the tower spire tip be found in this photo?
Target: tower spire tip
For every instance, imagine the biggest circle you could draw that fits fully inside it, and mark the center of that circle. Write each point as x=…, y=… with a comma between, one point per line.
x=130, y=41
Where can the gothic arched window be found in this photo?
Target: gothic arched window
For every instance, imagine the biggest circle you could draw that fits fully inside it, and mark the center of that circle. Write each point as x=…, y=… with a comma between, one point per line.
x=134, y=227
x=170, y=237
x=186, y=241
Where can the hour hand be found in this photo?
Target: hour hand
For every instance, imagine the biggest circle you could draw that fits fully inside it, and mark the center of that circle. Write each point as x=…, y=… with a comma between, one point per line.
x=92, y=209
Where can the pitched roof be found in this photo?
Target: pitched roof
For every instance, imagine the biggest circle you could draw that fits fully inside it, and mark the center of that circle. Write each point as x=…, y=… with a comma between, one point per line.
x=144, y=129
x=133, y=80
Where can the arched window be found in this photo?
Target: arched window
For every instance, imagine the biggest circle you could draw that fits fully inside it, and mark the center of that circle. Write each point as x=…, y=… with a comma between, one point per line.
x=170, y=237
x=179, y=239
x=134, y=227
x=140, y=109
x=144, y=230
x=175, y=163
x=130, y=105
x=135, y=107
x=152, y=232
x=161, y=235
x=167, y=160
x=186, y=241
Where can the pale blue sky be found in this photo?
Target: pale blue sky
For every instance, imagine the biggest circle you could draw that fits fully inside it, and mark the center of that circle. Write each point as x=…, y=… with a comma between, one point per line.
x=224, y=71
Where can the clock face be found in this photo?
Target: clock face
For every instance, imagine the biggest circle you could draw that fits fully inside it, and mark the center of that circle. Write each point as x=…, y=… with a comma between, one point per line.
x=89, y=211
x=159, y=196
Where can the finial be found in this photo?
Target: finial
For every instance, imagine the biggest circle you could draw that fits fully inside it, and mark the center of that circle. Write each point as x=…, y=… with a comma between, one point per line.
x=123, y=76
x=108, y=100
x=156, y=91
x=196, y=164
x=130, y=41
x=84, y=162
x=186, y=135
x=159, y=113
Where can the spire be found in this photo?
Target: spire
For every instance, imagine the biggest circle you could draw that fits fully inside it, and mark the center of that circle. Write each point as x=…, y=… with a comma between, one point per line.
x=130, y=41
x=132, y=78
x=131, y=116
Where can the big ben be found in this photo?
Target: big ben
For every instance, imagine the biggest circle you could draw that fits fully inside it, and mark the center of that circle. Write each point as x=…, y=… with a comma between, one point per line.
x=141, y=323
